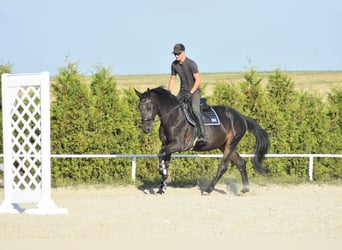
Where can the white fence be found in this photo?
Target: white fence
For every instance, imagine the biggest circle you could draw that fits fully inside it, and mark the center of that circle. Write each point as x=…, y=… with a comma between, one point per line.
x=135, y=156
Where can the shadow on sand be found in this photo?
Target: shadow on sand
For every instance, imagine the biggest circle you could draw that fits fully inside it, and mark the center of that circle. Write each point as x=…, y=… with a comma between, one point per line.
x=230, y=185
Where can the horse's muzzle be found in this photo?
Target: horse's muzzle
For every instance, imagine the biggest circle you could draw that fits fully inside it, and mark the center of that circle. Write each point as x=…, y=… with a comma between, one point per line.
x=146, y=129
x=147, y=125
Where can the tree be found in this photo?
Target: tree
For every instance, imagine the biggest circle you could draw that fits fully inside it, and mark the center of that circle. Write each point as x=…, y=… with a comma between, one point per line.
x=70, y=111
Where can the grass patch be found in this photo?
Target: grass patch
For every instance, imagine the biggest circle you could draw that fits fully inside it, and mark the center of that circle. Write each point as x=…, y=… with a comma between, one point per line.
x=317, y=82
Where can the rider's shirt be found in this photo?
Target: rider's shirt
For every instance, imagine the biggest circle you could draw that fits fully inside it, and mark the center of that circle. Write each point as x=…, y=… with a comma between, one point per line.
x=186, y=71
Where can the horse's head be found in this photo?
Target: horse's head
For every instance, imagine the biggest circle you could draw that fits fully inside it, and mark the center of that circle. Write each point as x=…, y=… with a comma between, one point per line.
x=147, y=109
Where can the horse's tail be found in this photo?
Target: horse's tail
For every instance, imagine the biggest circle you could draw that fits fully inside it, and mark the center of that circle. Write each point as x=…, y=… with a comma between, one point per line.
x=261, y=146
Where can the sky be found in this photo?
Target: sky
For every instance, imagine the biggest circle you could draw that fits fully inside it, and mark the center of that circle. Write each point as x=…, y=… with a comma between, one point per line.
x=134, y=37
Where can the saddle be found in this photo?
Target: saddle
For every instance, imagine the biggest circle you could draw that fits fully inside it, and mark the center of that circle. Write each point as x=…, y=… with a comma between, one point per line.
x=209, y=115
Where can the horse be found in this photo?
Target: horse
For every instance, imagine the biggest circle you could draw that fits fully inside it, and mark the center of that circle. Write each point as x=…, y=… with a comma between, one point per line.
x=176, y=134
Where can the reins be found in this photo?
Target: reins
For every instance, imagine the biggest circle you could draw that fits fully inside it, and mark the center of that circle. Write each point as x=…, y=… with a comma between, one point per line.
x=161, y=117
x=168, y=113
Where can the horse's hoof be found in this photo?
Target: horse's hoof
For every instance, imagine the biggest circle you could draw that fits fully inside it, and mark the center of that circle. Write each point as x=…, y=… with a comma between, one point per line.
x=244, y=190
x=160, y=191
x=205, y=193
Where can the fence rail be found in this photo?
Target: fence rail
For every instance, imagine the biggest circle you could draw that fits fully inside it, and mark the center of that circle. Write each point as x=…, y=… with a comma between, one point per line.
x=135, y=156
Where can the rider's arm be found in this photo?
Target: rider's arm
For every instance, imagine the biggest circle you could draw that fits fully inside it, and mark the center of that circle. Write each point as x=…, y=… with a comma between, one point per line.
x=172, y=81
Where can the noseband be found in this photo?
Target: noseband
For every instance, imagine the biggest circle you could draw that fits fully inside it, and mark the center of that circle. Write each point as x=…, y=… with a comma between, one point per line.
x=147, y=120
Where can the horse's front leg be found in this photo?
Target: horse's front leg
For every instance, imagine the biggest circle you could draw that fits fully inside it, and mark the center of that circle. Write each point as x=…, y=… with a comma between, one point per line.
x=164, y=160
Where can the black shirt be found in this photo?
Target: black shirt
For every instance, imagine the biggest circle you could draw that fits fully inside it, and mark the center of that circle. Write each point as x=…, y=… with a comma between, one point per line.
x=186, y=72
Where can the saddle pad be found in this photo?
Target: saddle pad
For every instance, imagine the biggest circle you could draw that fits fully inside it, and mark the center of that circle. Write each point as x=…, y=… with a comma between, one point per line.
x=210, y=117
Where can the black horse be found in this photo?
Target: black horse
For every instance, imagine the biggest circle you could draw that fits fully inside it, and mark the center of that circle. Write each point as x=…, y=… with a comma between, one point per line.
x=176, y=134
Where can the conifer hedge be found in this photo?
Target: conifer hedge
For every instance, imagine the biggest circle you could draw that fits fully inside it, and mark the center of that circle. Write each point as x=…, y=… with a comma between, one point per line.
x=92, y=116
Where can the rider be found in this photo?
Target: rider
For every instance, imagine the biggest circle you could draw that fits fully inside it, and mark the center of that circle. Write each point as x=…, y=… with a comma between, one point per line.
x=190, y=79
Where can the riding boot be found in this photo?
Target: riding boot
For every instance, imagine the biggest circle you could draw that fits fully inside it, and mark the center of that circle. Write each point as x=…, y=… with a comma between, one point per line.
x=200, y=125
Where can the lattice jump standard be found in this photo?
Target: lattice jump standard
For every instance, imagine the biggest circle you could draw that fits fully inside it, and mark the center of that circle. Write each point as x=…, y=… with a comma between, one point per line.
x=26, y=135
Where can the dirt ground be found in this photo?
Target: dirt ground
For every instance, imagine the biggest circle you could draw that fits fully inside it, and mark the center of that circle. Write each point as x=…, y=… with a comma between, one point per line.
x=307, y=211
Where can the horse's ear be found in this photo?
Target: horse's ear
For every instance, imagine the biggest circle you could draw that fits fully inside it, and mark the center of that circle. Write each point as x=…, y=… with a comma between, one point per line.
x=148, y=92
x=138, y=93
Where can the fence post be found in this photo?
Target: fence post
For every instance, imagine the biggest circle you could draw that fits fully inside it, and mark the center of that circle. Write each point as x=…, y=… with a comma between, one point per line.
x=134, y=167
x=311, y=167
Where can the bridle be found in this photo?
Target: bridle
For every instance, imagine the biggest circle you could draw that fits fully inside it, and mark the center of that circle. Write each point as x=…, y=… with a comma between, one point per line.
x=152, y=120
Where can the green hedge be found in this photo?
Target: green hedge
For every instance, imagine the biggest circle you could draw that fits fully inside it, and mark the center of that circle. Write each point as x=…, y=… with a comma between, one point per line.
x=298, y=122
x=92, y=116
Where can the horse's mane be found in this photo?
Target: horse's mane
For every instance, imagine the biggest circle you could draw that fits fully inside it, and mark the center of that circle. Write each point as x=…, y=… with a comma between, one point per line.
x=164, y=94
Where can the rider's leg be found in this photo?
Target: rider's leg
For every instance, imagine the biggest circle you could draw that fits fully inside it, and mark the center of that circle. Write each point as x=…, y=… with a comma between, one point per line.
x=195, y=103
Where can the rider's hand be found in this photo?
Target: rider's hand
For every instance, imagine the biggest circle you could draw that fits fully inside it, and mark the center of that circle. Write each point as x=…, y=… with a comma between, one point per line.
x=188, y=95
x=184, y=95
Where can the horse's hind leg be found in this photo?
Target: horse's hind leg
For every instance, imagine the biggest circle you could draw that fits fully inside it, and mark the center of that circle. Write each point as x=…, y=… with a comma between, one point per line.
x=220, y=171
x=241, y=165
x=228, y=149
